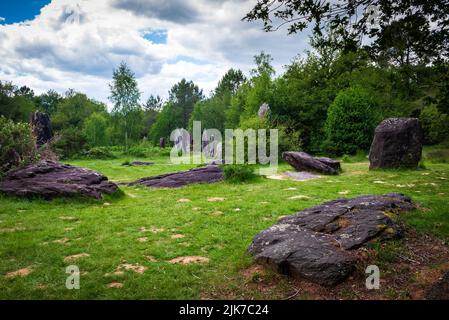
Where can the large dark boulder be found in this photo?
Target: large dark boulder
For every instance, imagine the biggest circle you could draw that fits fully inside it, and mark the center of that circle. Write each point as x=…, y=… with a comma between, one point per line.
x=318, y=243
x=209, y=174
x=440, y=290
x=50, y=179
x=302, y=161
x=397, y=143
x=42, y=129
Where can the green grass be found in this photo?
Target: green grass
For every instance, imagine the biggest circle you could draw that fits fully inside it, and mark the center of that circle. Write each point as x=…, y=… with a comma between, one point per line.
x=109, y=229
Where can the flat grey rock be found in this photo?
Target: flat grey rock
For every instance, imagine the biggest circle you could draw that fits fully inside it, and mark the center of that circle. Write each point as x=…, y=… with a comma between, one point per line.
x=49, y=179
x=209, y=174
x=318, y=243
x=302, y=161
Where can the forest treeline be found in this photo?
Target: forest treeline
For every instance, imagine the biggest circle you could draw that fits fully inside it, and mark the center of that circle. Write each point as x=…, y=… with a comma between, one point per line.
x=329, y=100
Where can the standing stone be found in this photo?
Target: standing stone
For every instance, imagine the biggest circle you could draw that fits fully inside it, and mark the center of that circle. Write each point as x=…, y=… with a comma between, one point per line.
x=41, y=125
x=162, y=143
x=263, y=111
x=398, y=143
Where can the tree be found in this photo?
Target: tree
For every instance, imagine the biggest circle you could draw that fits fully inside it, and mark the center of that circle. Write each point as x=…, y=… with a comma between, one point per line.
x=95, y=130
x=152, y=108
x=183, y=96
x=212, y=111
x=74, y=110
x=15, y=104
x=125, y=96
x=435, y=124
x=48, y=101
x=154, y=103
x=351, y=122
x=230, y=83
x=377, y=19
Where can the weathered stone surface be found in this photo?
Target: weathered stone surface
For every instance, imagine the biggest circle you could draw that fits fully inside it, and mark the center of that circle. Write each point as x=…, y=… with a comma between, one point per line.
x=440, y=290
x=302, y=161
x=50, y=179
x=318, y=243
x=209, y=174
x=42, y=129
x=397, y=143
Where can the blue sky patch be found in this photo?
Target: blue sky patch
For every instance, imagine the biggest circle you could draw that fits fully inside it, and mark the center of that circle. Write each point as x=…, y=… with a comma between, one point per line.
x=158, y=36
x=20, y=10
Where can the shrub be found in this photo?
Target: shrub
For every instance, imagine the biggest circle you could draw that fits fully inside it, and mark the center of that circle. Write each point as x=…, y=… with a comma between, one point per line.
x=238, y=173
x=435, y=124
x=99, y=153
x=72, y=142
x=350, y=122
x=17, y=145
x=138, y=152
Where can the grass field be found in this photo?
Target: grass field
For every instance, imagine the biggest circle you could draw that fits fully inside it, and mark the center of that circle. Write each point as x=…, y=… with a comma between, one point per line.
x=144, y=229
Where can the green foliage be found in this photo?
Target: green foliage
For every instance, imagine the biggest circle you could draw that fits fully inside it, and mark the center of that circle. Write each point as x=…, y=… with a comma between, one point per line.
x=71, y=142
x=351, y=122
x=238, y=173
x=74, y=110
x=17, y=145
x=14, y=103
x=183, y=97
x=95, y=130
x=103, y=153
x=435, y=125
x=125, y=96
x=438, y=156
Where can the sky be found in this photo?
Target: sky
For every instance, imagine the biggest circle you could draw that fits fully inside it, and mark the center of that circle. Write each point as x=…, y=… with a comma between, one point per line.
x=62, y=44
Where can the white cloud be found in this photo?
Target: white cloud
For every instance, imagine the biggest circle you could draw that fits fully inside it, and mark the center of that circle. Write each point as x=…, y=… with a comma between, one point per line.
x=76, y=44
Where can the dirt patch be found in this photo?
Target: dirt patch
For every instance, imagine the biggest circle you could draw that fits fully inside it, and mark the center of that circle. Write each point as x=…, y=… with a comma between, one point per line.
x=144, y=239
x=152, y=230
x=299, y=198
x=76, y=257
x=189, y=260
x=115, y=285
x=215, y=199
x=137, y=268
x=62, y=241
x=12, y=230
x=184, y=200
x=178, y=236
x=19, y=273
